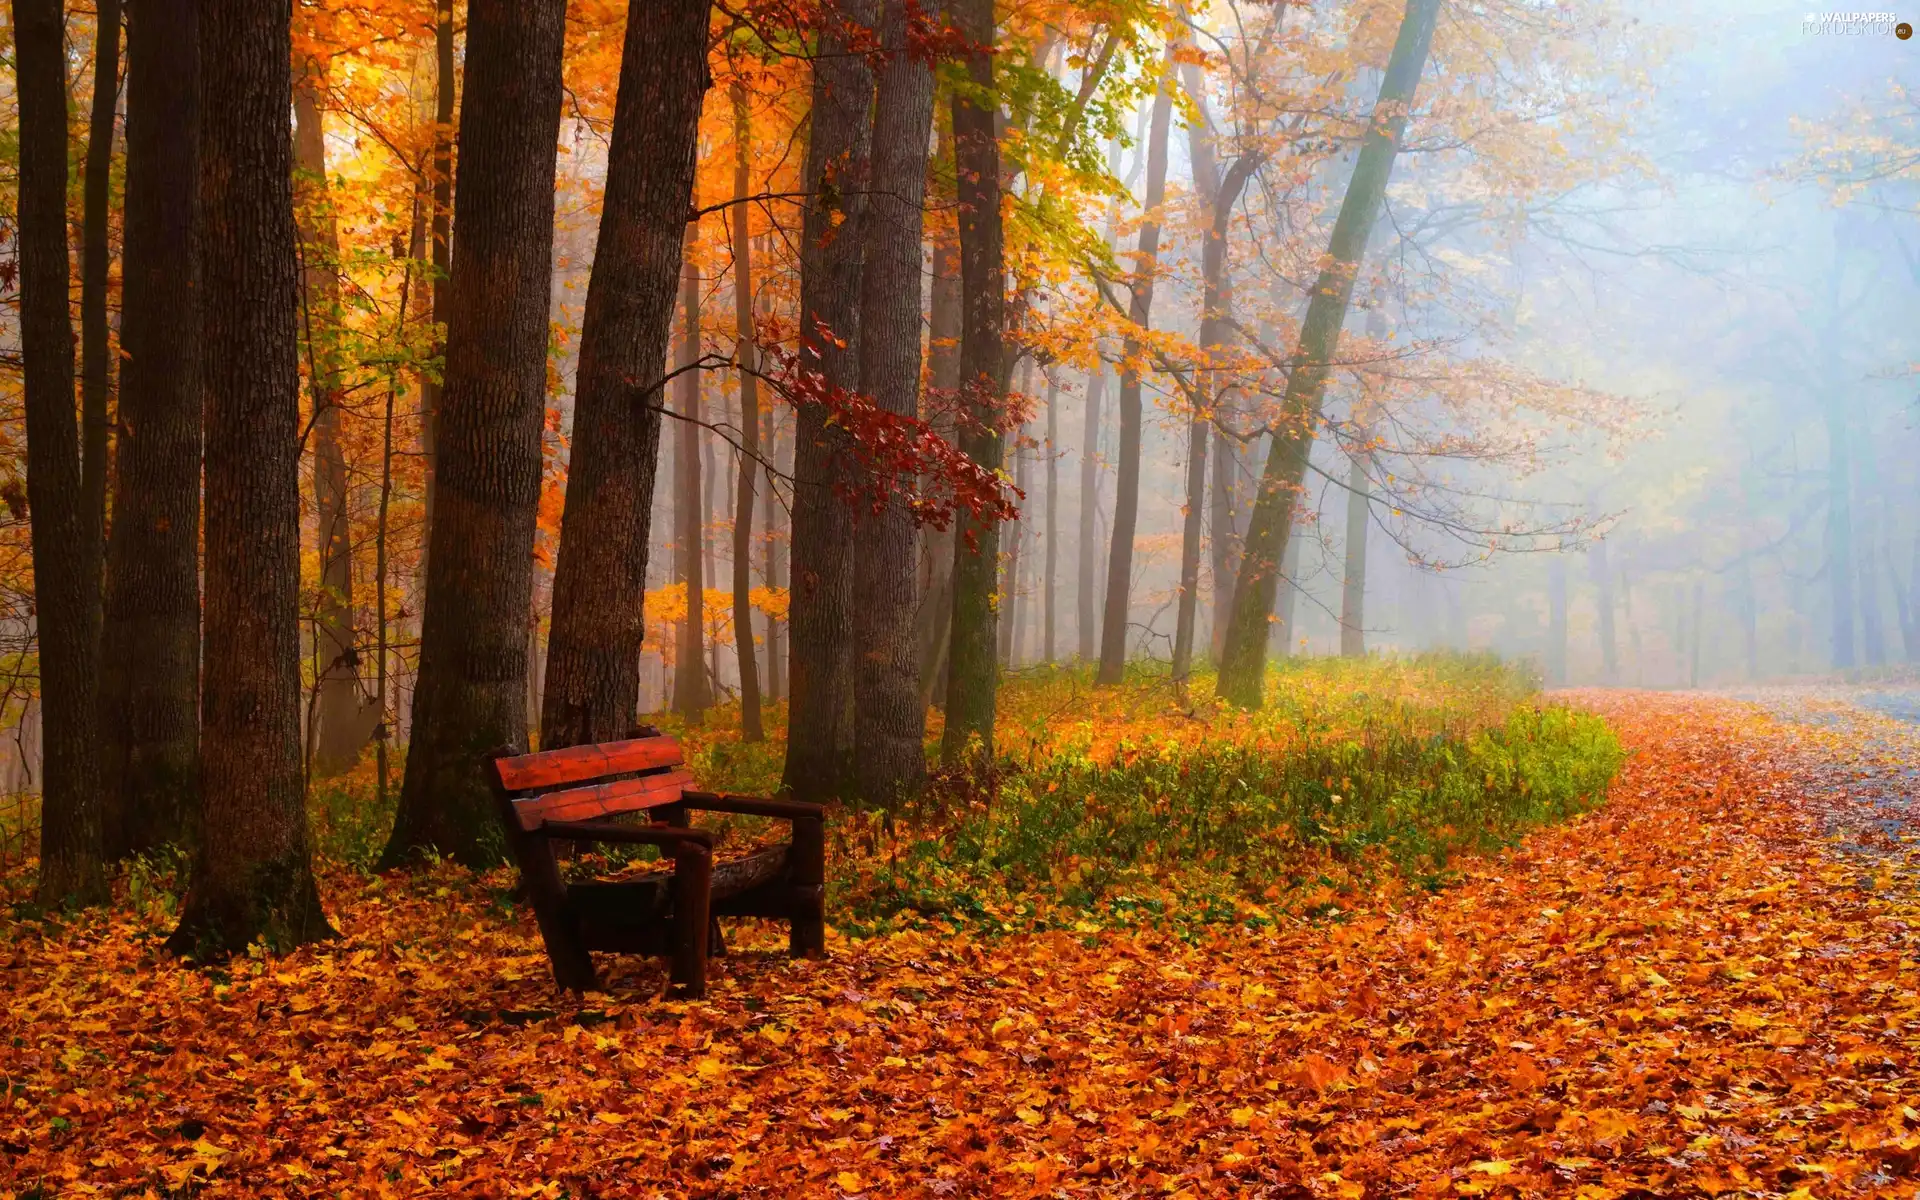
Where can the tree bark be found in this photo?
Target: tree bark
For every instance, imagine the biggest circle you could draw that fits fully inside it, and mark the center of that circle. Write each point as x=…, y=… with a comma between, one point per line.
x=471, y=689
x=820, y=732
x=1244, y=655
x=971, y=675
x=889, y=762
x=341, y=731
x=943, y=373
x=1289, y=598
x=776, y=567
x=749, y=469
x=150, y=634
x=252, y=876
x=1087, y=566
x=1353, y=579
x=1126, y=497
x=606, y=525
x=96, y=368
x=440, y=246
x=1052, y=571
x=1556, y=622
x=691, y=696
x=66, y=565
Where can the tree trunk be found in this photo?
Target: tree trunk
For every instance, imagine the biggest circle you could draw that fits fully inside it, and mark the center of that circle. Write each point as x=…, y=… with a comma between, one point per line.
x=150, y=635
x=606, y=525
x=691, y=696
x=1353, y=580
x=1087, y=566
x=1602, y=576
x=1243, y=656
x=776, y=568
x=1052, y=582
x=1873, y=636
x=66, y=565
x=1283, y=630
x=1839, y=533
x=341, y=733
x=96, y=368
x=1219, y=195
x=971, y=675
x=1126, y=497
x=1556, y=622
x=889, y=720
x=252, y=876
x=440, y=243
x=943, y=372
x=471, y=689
x=1011, y=536
x=833, y=230
x=749, y=467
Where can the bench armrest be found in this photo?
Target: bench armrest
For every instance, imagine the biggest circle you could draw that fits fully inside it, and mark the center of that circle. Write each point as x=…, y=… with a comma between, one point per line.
x=752, y=806
x=607, y=831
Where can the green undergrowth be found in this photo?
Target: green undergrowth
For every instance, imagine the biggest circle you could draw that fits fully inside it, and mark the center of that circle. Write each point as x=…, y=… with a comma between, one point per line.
x=1141, y=804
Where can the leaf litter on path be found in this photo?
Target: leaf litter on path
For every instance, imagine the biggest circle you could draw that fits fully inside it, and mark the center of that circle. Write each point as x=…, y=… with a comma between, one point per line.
x=1686, y=993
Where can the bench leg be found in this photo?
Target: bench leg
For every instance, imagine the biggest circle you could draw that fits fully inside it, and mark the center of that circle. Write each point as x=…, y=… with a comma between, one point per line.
x=692, y=908
x=808, y=934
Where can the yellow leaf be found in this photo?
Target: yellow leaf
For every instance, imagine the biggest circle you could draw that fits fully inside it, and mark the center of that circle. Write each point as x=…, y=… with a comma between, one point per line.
x=1495, y=1166
x=610, y=1118
x=1003, y=1028
x=712, y=1068
x=1242, y=1116
x=848, y=1181
x=774, y=1034
x=1027, y=1116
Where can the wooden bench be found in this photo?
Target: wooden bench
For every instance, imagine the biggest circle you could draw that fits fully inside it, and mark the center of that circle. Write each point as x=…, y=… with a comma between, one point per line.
x=571, y=795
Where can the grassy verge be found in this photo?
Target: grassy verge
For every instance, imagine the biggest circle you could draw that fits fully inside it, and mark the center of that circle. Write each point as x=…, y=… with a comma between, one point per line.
x=1124, y=805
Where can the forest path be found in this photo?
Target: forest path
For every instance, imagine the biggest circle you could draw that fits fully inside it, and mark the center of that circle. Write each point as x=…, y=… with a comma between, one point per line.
x=1694, y=990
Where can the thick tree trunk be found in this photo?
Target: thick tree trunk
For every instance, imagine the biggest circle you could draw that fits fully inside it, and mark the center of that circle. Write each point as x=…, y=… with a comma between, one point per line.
x=150, y=635
x=1087, y=565
x=691, y=696
x=1188, y=607
x=1353, y=579
x=66, y=564
x=252, y=876
x=1244, y=654
x=96, y=368
x=889, y=720
x=971, y=675
x=440, y=243
x=1052, y=570
x=832, y=237
x=341, y=731
x=749, y=468
x=606, y=526
x=471, y=693
x=1126, y=497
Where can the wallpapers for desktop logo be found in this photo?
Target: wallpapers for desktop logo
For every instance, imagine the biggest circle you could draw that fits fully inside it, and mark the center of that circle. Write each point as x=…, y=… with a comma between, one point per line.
x=1856, y=24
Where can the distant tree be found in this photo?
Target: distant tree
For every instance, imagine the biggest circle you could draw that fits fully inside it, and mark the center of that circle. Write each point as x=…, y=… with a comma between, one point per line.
x=471, y=691
x=1353, y=577
x=150, y=639
x=749, y=469
x=1244, y=652
x=66, y=564
x=251, y=877
x=600, y=578
x=1126, y=496
x=691, y=695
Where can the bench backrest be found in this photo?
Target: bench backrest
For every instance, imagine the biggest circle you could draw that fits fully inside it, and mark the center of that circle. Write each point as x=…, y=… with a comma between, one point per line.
x=574, y=785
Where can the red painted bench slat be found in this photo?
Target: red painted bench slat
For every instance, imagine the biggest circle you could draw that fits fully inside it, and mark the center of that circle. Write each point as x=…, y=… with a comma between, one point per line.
x=577, y=763
x=604, y=799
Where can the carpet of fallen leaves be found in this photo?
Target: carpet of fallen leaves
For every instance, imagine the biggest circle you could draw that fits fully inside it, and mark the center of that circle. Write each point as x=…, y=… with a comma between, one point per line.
x=1704, y=988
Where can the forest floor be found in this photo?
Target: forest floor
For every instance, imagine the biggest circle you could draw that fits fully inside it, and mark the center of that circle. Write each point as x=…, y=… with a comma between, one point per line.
x=1703, y=988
